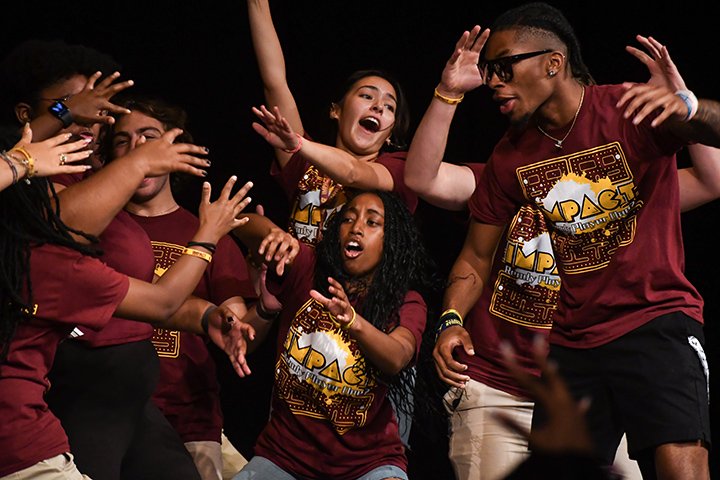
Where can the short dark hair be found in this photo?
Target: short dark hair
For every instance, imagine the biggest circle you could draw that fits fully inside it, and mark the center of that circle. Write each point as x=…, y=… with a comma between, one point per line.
x=402, y=112
x=541, y=16
x=37, y=64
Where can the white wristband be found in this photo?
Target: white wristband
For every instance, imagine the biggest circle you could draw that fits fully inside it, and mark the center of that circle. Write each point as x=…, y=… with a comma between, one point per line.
x=691, y=102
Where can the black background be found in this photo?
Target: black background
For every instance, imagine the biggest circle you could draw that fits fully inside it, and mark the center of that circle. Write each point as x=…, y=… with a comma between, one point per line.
x=199, y=55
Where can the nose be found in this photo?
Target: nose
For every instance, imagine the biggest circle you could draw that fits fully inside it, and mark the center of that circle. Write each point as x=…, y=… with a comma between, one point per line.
x=492, y=80
x=356, y=228
x=378, y=107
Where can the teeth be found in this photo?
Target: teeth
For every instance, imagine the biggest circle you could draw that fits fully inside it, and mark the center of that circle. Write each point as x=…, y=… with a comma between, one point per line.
x=373, y=120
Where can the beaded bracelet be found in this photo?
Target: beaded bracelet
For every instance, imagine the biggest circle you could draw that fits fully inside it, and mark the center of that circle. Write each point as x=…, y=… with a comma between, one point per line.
x=10, y=163
x=449, y=318
x=207, y=245
x=448, y=100
x=197, y=253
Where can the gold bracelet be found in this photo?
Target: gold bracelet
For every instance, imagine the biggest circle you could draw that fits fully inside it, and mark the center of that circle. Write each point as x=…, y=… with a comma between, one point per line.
x=27, y=160
x=452, y=310
x=347, y=326
x=197, y=253
x=448, y=100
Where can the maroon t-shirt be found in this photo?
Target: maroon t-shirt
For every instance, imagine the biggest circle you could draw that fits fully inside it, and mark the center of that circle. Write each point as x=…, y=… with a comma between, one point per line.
x=188, y=391
x=315, y=197
x=126, y=248
x=610, y=199
x=331, y=417
x=68, y=289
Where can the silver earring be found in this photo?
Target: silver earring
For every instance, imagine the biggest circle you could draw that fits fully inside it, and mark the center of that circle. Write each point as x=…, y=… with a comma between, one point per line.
x=552, y=73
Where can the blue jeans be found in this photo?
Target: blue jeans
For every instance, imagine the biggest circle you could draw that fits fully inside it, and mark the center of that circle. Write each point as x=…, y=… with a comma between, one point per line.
x=260, y=468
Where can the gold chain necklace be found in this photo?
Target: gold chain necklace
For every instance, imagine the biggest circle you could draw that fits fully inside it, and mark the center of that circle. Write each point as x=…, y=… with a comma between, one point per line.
x=559, y=141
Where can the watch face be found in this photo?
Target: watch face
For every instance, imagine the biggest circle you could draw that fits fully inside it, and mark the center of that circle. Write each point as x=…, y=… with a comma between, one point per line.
x=58, y=108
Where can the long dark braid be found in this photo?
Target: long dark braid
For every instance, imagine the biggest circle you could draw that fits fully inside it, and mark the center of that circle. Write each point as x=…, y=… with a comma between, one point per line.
x=541, y=16
x=29, y=216
x=405, y=265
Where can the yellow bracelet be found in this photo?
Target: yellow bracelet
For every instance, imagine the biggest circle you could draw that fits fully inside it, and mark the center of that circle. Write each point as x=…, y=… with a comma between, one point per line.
x=452, y=310
x=27, y=160
x=197, y=253
x=352, y=320
x=448, y=100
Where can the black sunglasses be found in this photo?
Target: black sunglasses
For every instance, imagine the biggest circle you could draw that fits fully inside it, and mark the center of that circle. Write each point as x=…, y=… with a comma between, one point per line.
x=502, y=67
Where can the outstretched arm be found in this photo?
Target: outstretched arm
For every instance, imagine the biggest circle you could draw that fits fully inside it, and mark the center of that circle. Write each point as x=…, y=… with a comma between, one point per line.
x=337, y=164
x=91, y=204
x=444, y=184
x=389, y=352
x=271, y=63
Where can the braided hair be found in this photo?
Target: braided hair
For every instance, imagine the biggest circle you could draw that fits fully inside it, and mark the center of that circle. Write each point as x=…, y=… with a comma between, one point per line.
x=405, y=265
x=29, y=217
x=546, y=18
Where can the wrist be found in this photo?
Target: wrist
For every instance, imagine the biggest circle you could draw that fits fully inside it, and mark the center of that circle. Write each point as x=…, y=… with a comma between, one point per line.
x=297, y=147
x=691, y=102
x=264, y=313
x=205, y=319
x=449, y=318
x=448, y=95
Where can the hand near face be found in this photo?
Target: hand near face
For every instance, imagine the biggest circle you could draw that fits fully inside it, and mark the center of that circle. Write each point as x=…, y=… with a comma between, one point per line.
x=162, y=156
x=461, y=73
x=276, y=130
x=92, y=105
x=52, y=156
x=339, y=305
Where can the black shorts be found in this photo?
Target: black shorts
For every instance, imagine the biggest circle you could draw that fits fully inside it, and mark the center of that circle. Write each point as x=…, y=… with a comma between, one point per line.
x=651, y=383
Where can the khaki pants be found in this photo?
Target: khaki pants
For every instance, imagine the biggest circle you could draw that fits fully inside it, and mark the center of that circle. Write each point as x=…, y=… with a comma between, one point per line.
x=59, y=467
x=233, y=461
x=481, y=447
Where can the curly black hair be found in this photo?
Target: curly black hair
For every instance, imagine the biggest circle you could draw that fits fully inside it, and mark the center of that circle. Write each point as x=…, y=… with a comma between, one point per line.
x=29, y=216
x=37, y=64
x=405, y=265
x=544, y=17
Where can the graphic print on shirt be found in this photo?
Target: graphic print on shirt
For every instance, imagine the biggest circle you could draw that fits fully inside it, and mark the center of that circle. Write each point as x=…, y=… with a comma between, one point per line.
x=590, y=199
x=166, y=342
x=318, y=199
x=321, y=373
x=527, y=286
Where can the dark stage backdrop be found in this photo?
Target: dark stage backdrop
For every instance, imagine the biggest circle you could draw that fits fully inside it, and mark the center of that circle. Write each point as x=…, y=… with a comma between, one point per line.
x=198, y=54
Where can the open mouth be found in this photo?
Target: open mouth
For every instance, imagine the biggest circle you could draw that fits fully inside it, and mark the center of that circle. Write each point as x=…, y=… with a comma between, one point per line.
x=353, y=249
x=370, y=123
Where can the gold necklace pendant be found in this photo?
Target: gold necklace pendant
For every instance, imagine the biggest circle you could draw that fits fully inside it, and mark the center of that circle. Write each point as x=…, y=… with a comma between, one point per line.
x=559, y=141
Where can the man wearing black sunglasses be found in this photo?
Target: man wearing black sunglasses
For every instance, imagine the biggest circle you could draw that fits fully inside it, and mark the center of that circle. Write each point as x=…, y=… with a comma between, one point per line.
x=599, y=162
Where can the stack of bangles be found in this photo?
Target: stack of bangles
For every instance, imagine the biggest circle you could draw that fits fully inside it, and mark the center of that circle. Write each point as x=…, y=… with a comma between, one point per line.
x=27, y=161
x=199, y=253
x=449, y=318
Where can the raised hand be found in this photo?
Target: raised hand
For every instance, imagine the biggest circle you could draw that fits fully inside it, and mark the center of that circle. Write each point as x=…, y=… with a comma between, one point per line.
x=92, y=104
x=162, y=156
x=258, y=276
x=461, y=73
x=276, y=130
x=450, y=370
x=658, y=62
x=52, y=156
x=339, y=305
x=220, y=217
x=280, y=247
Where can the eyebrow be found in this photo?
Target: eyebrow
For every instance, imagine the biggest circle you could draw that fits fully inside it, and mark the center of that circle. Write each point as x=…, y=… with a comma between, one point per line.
x=141, y=131
x=373, y=87
x=372, y=210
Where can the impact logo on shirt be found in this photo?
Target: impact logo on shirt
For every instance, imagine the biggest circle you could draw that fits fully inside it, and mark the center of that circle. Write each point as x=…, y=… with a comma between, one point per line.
x=526, y=290
x=321, y=373
x=166, y=342
x=318, y=199
x=590, y=198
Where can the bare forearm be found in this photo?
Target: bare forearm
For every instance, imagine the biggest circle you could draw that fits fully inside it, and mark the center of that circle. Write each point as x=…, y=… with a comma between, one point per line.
x=90, y=205
x=345, y=169
x=705, y=125
x=465, y=285
x=187, y=318
x=261, y=326
x=386, y=352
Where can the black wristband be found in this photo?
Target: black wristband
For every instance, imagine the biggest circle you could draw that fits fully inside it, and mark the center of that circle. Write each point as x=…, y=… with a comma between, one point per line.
x=211, y=247
x=205, y=318
x=264, y=314
x=449, y=318
x=60, y=111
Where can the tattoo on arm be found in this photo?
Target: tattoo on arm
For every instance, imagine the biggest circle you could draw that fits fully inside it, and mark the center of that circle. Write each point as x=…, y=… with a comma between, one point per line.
x=458, y=278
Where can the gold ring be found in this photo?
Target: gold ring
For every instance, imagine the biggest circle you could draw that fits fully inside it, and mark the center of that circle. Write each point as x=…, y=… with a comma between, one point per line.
x=63, y=159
